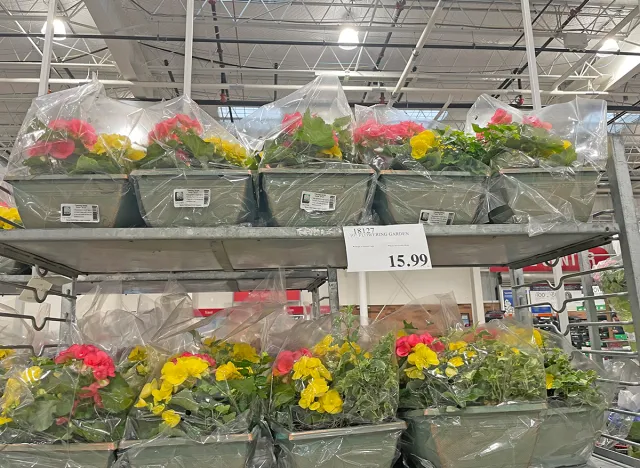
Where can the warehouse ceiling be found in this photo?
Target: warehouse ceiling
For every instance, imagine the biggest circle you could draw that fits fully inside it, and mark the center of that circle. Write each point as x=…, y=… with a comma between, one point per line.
x=249, y=52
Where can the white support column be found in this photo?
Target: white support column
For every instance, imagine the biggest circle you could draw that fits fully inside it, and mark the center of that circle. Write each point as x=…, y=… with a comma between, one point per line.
x=563, y=317
x=45, y=68
x=188, y=48
x=531, y=55
x=364, y=299
x=477, y=298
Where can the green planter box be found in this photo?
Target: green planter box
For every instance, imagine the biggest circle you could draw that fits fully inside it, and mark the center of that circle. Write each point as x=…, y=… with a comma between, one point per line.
x=223, y=451
x=57, y=455
x=282, y=196
x=207, y=198
x=554, y=188
x=401, y=196
x=476, y=437
x=39, y=200
x=567, y=436
x=365, y=446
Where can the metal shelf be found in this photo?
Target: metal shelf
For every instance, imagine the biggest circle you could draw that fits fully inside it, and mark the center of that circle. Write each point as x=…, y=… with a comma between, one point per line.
x=72, y=252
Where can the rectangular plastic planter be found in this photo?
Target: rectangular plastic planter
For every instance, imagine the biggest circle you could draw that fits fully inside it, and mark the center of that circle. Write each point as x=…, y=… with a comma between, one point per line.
x=567, y=436
x=371, y=446
x=57, y=455
x=402, y=195
x=232, y=198
x=38, y=199
x=476, y=437
x=281, y=193
x=224, y=451
x=579, y=189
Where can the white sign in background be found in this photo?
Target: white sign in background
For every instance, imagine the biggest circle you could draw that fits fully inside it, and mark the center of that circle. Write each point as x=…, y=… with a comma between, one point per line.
x=402, y=247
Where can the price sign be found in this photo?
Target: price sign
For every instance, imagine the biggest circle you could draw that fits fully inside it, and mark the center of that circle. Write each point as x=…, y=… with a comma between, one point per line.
x=401, y=247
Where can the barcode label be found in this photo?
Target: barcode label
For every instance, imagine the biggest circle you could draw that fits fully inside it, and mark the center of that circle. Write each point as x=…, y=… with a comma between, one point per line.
x=433, y=217
x=314, y=201
x=191, y=198
x=76, y=213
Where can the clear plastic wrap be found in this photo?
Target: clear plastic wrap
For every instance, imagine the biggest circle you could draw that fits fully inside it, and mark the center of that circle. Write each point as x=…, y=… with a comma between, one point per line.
x=309, y=175
x=549, y=161
x=203, y=407
x=334, y=395
x=69, y=163
x=428, y=174
x=576, y=404
x=9, y=219
x=194, y=173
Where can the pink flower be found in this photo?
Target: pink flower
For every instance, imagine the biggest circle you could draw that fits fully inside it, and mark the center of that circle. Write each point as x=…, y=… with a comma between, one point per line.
x=426, y=338
x=101, y=365
x=501, y=117
x=403, y=348
x=91, y=391
x=41, y=148
x=335, y=138
x=437, y=346
x=301, y=352
x=413, y=128
x=536, y=122
x=413, y=340
x=291, y=122
x=62, y=149
x=76, y=129
x=284, y=363
x=168, y=128
x=61, y=420
x=73, y=352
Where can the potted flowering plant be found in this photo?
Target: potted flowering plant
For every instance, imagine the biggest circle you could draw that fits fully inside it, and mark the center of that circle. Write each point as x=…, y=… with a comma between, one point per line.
x=195, y=173
x=549, y=161
x=75, y=403
x=199, y=399
x=464, y=392
x=577, y=402
x=308, y=173
x=427, y=174
x=332, y=392
x=70, y=162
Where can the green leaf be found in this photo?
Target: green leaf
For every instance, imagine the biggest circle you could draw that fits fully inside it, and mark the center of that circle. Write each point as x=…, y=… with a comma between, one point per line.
x=117, y=396
x=184, y=399
x=198, y=148
x=41, y=415
x=315, y=131
x=342, y=121
x=243, y=386
x=87, y=165
x=477, y=128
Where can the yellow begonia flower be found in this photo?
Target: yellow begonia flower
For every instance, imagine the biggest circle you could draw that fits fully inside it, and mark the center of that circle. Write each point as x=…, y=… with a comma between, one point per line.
x=549, y=381
x=171, y=418
x=515, y=350
x=228, y=371
x=245, y=352
x=456, y=361
x=11, y=397
x=195, y=366
x=315, y=388
x=174, y=373
x=177, y=370
x=157, y=409
x=310, y=367
x=566, y=144
x=139, y=353
x=232, y=152
x=330, y=402
x=414, y=373
x=421, y=143
x=423, y=357
x=5, y=353
x=140, y=403
x=163, y=393
x=12, y=215
x=148, y=388
x=401, y=333
x=333, y=151
x=4, y=420
x=470, y=354
x=457, y=345
x=133, y=154
x=142, y=369
x=349, y=347
x=324, y=346
x=451, y=371
x=112, y=143
x=537, y=338
x=367, y=355
x=31, y=375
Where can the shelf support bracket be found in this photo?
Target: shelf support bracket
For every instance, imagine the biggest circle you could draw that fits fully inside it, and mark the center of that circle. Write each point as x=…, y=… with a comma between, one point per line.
x=332, y=283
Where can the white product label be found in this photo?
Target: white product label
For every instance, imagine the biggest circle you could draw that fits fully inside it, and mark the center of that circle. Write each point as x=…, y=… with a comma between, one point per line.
x=41, y=287
x=313, y=201
x=387, y=248
x=74, y=213
x=432, y=217
x=191, y=198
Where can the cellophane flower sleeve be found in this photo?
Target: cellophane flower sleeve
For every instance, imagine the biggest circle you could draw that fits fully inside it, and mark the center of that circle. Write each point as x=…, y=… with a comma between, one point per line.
x=334, y=395
x=548, y=162
x=203, y=407
x=194, y=171
x=309, y=174
x=576, y=403
x=69, y=163
x=70, y=409
x=428, y=173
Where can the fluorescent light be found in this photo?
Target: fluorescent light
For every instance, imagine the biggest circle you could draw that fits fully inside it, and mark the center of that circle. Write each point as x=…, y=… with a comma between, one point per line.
x=609, y=47
x=59, y=30
x=348, y=39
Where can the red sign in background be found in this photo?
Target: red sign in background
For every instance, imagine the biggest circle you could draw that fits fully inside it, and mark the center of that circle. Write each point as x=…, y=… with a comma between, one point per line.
x=256, y=296
x=569, y=263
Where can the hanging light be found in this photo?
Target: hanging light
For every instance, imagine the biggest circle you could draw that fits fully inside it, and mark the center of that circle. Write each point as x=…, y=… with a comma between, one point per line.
x=59, y=30
x=348, y=39
x=609, y=47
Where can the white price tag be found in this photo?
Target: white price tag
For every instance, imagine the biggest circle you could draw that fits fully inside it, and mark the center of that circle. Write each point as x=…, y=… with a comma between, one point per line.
x=314, y=201
x=75, y=213
x=387, y=248
x=41, y=285
x=191, y=198
x=432, y=217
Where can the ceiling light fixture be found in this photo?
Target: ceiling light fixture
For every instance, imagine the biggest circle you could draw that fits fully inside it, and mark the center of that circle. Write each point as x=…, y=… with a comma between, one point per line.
x=59, y=30
x=348, y=39
x=609, y=47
